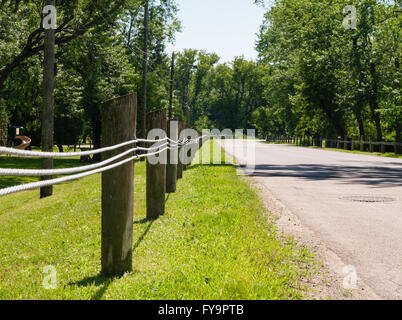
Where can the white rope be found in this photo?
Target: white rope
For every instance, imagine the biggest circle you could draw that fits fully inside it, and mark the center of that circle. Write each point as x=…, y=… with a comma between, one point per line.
x=40, y=184
x=53, y=172
x=38, y=154
x=98, y=168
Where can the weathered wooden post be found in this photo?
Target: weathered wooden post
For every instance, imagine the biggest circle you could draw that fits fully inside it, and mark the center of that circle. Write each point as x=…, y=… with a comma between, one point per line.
x=362, y=143
x=118, y=125
x=190, y=153
x=319, y=142
x=156, y=167
x=172, y=156
x=382, y=146
x=193, y=154
x=371, y=146
x=179, y=164
x=184, y=165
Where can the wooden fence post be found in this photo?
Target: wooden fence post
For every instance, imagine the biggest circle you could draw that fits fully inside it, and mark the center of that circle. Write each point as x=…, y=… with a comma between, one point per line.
x=179, y=164
x=184, y=165
x=173, y=156
x=361, y=143
x=156, y=172
x=118, y=125
x=382, y=147
x=200, y=143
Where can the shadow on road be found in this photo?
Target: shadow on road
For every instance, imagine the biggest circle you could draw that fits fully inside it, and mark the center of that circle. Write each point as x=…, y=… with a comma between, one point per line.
x=378, y=176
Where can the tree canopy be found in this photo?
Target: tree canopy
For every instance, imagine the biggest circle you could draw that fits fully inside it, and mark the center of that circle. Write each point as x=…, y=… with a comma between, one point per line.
x=313, y=76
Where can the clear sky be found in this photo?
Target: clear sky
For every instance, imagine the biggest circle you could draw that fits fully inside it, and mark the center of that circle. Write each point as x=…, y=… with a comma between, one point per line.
x=226, y=27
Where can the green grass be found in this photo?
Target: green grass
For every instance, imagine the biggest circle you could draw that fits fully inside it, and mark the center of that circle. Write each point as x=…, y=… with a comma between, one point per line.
x=214, y=242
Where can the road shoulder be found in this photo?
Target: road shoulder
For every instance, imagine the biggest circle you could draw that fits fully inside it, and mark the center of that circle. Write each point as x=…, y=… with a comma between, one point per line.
x=326, y=282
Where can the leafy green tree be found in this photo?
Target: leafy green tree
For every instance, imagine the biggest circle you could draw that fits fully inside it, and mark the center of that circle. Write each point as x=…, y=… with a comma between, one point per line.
x=23, y=26
x=326, y=80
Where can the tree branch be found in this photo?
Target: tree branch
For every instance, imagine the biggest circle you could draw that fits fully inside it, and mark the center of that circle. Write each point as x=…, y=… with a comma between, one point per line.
x=33, y=46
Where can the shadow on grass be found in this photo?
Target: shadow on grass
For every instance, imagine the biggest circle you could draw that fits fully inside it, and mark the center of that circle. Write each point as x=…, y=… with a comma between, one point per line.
x=104, y=281
x=142, y=237
x=99, y=280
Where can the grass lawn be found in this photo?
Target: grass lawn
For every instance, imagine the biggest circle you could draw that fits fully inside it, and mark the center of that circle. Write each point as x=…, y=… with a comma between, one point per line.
x=214, y=242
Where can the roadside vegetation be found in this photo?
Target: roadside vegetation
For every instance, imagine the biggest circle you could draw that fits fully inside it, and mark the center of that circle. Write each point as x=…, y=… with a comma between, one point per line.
x=313, y=76
x=216, y=241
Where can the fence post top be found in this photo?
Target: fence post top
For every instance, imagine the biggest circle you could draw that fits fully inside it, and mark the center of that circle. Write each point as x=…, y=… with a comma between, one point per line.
x=121, y=98
x=157, y=111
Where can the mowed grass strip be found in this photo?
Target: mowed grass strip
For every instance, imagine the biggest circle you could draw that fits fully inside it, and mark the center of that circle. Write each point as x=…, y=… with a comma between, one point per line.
x=214, y=242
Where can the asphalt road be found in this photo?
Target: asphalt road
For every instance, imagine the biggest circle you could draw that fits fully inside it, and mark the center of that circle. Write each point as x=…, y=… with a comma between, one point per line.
x=314, y=184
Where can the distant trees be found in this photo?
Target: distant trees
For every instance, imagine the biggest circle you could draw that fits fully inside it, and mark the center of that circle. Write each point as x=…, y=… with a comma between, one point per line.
x=330, y=80
x=218, y=95
x=312, y=77
x=98, y=57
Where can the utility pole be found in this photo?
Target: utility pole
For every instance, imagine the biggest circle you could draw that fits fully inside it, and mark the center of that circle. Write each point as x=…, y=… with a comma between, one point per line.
x=170, y=116
x=144, y=73
x=48, y=93
x=172, y=155
x=186, y=99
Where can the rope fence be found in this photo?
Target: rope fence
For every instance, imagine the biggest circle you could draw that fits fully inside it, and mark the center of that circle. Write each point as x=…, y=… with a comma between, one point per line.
x=346, y=144
x=91, y=169
x=117, y=168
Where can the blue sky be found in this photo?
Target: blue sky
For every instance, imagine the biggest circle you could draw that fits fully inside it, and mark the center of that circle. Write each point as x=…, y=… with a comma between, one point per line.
x=226, y=27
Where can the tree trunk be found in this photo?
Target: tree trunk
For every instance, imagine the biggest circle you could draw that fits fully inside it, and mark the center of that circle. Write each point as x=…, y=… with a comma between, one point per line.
x=33, y=46
x=144, y=73
x=398, y=136
x=361, y=126
x=96, y=133
x=373, y=100
x=48, y=103
x=170, y=115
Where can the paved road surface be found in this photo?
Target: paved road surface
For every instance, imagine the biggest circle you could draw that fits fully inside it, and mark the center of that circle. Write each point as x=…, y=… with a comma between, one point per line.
x=312, y=183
